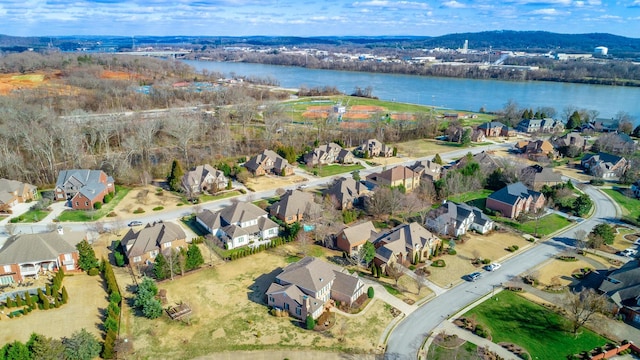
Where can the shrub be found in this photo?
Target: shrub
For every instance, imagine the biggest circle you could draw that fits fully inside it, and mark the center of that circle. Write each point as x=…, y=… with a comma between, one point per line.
x=119, y=258
x=112, y=214
x=107, y=198
x=370, y=292
x=412, y=267
x=115, y=297
x=93, y=272
x=439, y=263
x=452, y=251
x=158, y=208
x=138, y=211
x=596, y=182
x=311, y=323
x=97, y=205
x=486, y=261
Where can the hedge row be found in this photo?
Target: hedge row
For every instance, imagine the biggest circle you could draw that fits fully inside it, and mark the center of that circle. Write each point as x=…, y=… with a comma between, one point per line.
x=112, y=320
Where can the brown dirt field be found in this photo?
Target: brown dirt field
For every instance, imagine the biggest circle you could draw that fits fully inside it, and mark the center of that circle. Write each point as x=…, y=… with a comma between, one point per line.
x=368, y=108
x=403, y=116
x=356, y=115
x=491, y=246
x=573, y=172
x=125, y=208
x=118, y=75
x=620, y=242
x=267, y=182
x=315, y=114
x=86, y=299
x=562, y=270
x=353, y=125
x=229, y=314
x=422, y=147
x=387, y=161
x=10, y=82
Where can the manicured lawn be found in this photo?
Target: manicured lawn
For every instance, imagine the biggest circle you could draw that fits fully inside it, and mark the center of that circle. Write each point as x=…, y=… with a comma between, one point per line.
x=330, y=170
x=32, y=216
x=83, y=216
x=466, y=351
x=207, y=198
x=546, y=225
x=474, y=198
x=630, y=207
x=543, y=333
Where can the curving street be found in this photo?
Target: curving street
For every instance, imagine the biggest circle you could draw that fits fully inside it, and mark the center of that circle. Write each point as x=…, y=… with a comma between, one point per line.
x=407, y=338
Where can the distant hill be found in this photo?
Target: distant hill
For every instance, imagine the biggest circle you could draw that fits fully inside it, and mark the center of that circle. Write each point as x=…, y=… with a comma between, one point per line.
x=499, y=40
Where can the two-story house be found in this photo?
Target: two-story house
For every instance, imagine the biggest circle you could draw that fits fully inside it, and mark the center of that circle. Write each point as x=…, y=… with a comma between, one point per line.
x=546, y=125
x=204, y=178
x=346, y=192
x=142, y=247
x=305, y=288
x=453, y=219
x=83, y=188
x=241, y=224
x=329, y=154
x=13, y=192
x=604, y=165
x=397, y=176
x=374, y=147
x=427, y=169
x=494, y=129
x=268, y=162
x=515, y=199
x=352, y=238
x=406, y=243
x=292, y=206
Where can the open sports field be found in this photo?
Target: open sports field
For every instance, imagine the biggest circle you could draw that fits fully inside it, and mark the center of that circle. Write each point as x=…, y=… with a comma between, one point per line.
x=11, y=82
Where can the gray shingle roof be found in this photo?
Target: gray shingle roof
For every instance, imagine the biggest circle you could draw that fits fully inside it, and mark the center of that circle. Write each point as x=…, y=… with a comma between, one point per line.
x=623, y=284
x=151, y=238
x=512, y=192
x=38, y=247
x=309, y=273
x=357, y=233
x=293, y=202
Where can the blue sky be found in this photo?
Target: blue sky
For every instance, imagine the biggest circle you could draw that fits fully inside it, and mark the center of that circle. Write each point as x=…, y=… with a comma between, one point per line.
x=314, y=17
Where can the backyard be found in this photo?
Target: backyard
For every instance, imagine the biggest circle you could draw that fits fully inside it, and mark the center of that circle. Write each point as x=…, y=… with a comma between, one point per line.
x=541, y=332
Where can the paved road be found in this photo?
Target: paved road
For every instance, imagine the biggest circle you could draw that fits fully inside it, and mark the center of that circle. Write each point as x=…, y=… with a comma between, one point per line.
x=407, y=338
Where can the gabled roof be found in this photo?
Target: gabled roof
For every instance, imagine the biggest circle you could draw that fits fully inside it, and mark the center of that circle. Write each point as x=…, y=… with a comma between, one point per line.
x=197, y=175
x=401, y=239
x=345, y=283
x=78, y=177
x=240, y=212
x=255, y=162
x=151, y=237
x=345, y=189
x=38, y=247
x=92, y=190
x=394, y=174
x=603, y=157
x=8, y=187
x=294, y=293
x=623, y=284
x=309, y=273
x=491, y=125
x=359, y=233
x=428, y=166
x=293, y=202
x=511, y=193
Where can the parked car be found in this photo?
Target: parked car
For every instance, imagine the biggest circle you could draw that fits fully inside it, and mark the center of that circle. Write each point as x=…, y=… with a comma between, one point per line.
x=629, y=252
x=474, y=276
x=493, y=266
x=135, y=223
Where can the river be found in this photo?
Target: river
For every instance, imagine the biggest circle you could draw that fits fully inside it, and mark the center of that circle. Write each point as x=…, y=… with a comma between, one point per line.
x=460, y=94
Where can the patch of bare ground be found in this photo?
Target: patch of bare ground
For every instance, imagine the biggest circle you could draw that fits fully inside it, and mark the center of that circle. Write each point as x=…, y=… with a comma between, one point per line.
x=557, y=273
x=491, y=246
x=268, y=182
x=146, y=198
x=87, y=300
x=229, y=313
x=574, y=170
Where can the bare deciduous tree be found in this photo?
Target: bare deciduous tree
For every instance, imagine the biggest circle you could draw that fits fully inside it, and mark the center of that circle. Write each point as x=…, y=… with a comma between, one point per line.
x=581, y=306
x=394, y=271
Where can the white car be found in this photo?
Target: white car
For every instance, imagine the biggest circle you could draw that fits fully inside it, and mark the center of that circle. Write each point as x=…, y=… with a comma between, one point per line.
x=492, y=267
x=629, y=252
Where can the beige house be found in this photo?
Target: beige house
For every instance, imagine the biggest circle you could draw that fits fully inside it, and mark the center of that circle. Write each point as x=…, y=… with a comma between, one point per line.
x=292, y=206
x=535, y=177
x=346, y=192
x=404, y=244
x=143, y=246
x=427, y=169
x=329, y=154
x=204, y=178
x=352, y=238
x=396, y=176
x=268, y=162
x=13, y=192
x=307, y=287
x=374, y=147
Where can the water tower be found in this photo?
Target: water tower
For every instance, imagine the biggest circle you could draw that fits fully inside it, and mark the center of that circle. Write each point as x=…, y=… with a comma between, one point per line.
x=601, y=50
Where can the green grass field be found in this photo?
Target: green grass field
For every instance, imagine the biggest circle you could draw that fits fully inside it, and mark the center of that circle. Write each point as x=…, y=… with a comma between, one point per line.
x=543, y=333
x=466, y=351
x=32, y=216
x=471, y=197
x=630, y=207
x=207, y=197
x=546, y=225
x=85, y=216
x=330, y=170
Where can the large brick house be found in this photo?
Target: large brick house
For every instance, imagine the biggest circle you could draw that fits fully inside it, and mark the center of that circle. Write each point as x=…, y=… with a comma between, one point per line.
x=515, y=199
x=622, y=287
x=13, y=192
x=268, y=162
x=604, y=165
x=404, y=244
x=330, y=153
x=346, y=192
x=204, y=178
x=293, y=206
x=29, y=255
x=494, y=129
x=306, y=288
x=396, y=176
x=82, y=188
x=142, y=247
x=453, y=219
x=352, y=238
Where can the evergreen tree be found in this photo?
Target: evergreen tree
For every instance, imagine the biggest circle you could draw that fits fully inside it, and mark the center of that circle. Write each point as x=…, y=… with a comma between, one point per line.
x=194, y=257
x=65, y=296
x=44, y=348
x=88, y=258
x=145, y=299
x=81, y=345
x=175, y=176
x=16, y=351
x=438, y=160
x=311, y=323
x=161, y=267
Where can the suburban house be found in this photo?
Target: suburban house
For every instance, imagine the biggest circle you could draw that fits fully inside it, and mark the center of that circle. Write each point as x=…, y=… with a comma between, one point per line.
x=515, y=199
x=204, y=178
x=13, y=192
x=268, y=162
x=406, y=243
x=307, y=287
x=570, y=139
x=26, y=255
x=292, y=206
x=536, y=148
x=536, y=176
x=635, y=187
x=546, y=125
x=240, y=224
x=453, y=219
x=329, y=154
x=602, y=125
x=478, y=136
x=622, y=287
x=346, y=192
x=617, y=143
x=427, y=169
x=83, y=188
x=142, y=247
x=494, y=129
x=351, y=238
x=396, y=176
x=375, y=147
x=604, y=165
x=487, y=163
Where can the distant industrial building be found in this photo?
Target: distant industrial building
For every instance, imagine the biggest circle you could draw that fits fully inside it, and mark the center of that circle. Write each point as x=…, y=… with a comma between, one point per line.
x=601, y=50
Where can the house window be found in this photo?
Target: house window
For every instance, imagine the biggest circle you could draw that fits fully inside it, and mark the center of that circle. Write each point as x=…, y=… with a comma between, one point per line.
x=86, y=203
x=271, y=299
x=7, y=268
x=77, y=203
x=286, y=306
x=299, y=311
x=137, y=259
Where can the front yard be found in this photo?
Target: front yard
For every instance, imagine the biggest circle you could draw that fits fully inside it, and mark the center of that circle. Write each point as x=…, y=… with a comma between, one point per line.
x=229, y=313
x=332, y=169
x=84, y=216
x=541, y=332
x=630, y=206
x=546, y=225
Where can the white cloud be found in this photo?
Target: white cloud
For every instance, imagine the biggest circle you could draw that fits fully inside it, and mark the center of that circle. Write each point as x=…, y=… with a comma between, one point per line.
x=453, y=4
x=548, y=11
x=392, y=4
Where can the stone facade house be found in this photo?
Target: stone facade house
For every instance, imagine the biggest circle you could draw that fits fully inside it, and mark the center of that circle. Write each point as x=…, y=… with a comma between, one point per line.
x=30, y=255
x=546, y=125
x=453, y=219
x=515, y=199
x=292, y=206
x=427, y=169
x=268, y=162
x=331, y=153
x=403, y=245
x=604, y=165
x=396, y=176
x=307, y=287
x=535, y=177
x=376, y=148
x=13, y=192
x=622, y=287
x=83, y=188
x=536, y=148
x=570, y=139
x=352, y=238
x=346, y=192
x=204, y=178
x=241, y=224
x=142, y=247
x=494, y=129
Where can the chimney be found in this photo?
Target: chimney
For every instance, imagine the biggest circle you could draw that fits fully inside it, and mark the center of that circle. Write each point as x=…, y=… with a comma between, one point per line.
x=305, y=301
